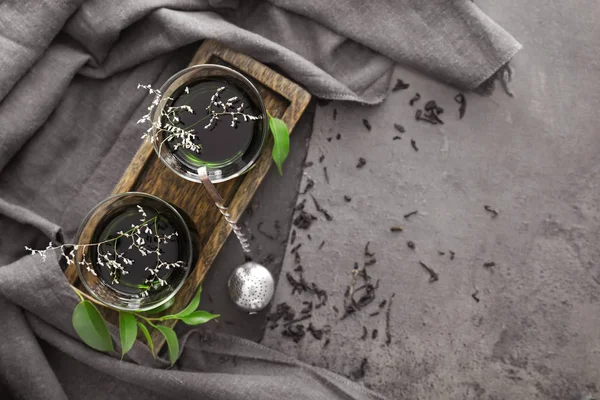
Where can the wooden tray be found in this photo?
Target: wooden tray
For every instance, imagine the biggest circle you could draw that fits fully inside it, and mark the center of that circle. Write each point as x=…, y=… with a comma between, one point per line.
x=146, y=173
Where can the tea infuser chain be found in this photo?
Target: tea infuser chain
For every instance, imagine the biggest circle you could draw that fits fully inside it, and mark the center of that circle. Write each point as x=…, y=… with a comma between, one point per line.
x=219, y=202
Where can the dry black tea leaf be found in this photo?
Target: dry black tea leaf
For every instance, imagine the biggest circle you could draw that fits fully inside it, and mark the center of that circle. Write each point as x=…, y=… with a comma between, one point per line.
x=367, y=252
x=322, y=210
x=269, y=258
x=388, y=333
x=316, y=333
x=430, y=105
x=413, y=143
x=308, y=307
x=400, y=85
x=415, y=98
x=360, y=372
x=282, y=310
x=304, y=220
x=410, y=214
x=295, y=332
x=263, y=232
x=277, y=225
x=433, y=276
x=491, y=210
x=367, y=124
x=309, y=185
x=460, y=99
x=300, y=206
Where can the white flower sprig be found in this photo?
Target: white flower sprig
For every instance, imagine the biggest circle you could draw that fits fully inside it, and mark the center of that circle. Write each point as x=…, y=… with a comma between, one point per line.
x=170, y=122
x=229, y=107
x=116, y=263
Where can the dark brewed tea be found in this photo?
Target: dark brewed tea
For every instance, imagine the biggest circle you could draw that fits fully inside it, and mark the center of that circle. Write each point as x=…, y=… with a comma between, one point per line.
x=148, y=252
x=223, y=139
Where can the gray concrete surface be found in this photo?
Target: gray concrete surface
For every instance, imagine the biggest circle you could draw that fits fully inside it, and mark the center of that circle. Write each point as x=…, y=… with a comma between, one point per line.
x=535, y=332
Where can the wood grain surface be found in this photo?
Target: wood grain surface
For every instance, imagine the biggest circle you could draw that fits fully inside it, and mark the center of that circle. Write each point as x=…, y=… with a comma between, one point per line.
x=283, y=99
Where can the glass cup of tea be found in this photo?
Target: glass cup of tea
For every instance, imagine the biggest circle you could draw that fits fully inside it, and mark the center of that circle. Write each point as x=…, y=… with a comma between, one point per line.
x=225, y=118
x=134, y=251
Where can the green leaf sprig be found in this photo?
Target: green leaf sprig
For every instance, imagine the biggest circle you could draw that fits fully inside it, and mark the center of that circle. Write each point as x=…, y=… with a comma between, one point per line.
x=281, y=141
x=93, y=331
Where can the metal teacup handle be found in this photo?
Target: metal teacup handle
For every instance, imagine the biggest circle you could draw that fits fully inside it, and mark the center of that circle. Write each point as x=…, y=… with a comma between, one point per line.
x=219, y=202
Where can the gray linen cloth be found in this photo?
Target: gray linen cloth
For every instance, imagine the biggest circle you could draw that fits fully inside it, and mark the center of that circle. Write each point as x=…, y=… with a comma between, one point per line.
x=68, y=106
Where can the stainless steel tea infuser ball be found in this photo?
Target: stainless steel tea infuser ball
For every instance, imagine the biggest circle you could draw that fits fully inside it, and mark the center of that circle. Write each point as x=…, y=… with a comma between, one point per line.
x=251, y=287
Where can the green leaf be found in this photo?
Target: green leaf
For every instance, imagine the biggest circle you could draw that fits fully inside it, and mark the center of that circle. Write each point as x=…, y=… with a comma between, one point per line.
x=199, y=317
x=148, y=337
x=90, y=327
x=189, y=309
x=162, y=307
x=128, y=331
x=172, y=341
x=281, y=141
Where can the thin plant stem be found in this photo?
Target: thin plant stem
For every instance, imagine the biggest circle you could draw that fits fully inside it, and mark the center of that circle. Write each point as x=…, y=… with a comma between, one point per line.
x=83, y=295
x=107, y=240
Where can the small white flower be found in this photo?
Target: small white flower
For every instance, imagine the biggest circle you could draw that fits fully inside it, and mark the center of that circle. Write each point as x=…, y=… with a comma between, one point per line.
x=142, y=212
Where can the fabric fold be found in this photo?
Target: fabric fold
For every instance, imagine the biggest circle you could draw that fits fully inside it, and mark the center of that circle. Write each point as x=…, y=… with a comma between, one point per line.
x=452, y=41
x=26, y=30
